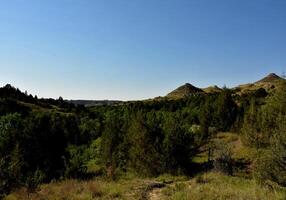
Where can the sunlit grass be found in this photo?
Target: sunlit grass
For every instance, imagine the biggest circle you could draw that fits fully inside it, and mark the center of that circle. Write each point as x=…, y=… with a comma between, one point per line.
x=217, y=186
x=81, y=190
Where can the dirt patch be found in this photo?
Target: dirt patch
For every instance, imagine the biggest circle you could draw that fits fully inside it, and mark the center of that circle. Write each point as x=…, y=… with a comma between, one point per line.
x=145, y=195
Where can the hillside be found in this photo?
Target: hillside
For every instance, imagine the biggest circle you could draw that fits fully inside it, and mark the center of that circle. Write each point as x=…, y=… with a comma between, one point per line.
x=270, y=78
x=184, y=91
x=212, y=89
x=203, y=186
x=90, y=103
x=268, y=83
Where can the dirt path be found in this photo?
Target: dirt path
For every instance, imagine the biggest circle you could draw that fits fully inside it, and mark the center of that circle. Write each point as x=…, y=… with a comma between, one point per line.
x=148, y=192
x=156, y=194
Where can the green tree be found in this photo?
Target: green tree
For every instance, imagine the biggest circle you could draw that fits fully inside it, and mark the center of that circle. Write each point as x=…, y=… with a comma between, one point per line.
x=225, y=111
x=90, y=129
x=11, y=127
x=94, y=163
x=114, y=155
x=223, y=160
x=205, y=119
x=11, y=162
x=76, y=162
x=271, y=164
x=178, y=145
x=251, y=133
x=274, y=107
x=144, y=154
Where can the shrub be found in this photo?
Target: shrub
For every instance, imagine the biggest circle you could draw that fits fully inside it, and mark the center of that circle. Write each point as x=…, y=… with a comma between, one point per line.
x=34, y=180
x=223, y=161
x=271, y=164
x=76, y=162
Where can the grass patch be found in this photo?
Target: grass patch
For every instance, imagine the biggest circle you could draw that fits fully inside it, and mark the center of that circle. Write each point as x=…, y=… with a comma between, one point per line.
x=168, y=178
x=218, y=186
x=98, y=189
x=227, y=137
x=207, y=186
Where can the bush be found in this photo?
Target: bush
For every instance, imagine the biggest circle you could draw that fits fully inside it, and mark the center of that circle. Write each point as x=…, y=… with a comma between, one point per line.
x=76, y=162
x=34, y=180
x=223, y=161
x=271, y=164
x=200, y=179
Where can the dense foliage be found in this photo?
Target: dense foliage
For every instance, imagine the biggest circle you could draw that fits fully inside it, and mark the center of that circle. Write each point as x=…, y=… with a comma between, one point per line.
x=45, y=139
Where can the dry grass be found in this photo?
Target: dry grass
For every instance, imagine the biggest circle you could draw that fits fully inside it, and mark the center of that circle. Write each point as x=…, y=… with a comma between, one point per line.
x=82, y=190
x=70, y=189
x=216, y=186
x=208, y=186
x=269, y=86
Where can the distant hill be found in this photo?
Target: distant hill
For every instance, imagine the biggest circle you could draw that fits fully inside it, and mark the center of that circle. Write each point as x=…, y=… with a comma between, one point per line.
x=270, y=78
x=212, y=89
x=89, y=103
x=188, y=90
x=268, y=83
x=11, y=96
x=184, y=91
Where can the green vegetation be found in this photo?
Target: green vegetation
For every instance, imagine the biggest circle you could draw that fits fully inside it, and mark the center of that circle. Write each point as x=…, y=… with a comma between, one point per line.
x=220, y=145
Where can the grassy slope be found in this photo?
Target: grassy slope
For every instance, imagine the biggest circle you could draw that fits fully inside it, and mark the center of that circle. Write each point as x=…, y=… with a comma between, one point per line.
x=207, y=186
x=83, y=190
x=213, y=186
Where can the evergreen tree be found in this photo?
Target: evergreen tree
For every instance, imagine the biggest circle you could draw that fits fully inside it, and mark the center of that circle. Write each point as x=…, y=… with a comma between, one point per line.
x=226, y=110
x=271, y=164
x=145, y=152
x=251, y=134
x=179, y=145
x=205, y=119
x=112, y=142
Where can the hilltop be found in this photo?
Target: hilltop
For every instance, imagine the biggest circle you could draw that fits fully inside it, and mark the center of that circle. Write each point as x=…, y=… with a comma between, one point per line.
x=212, y=89
x=184, y=91
x=268, y=83
x=272, y=77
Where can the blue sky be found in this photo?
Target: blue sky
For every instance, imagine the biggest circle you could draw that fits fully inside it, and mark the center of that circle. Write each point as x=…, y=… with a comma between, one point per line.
x=137, y=49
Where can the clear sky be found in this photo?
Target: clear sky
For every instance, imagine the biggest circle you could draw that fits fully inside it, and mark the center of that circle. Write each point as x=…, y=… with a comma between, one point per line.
x=136, y=49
